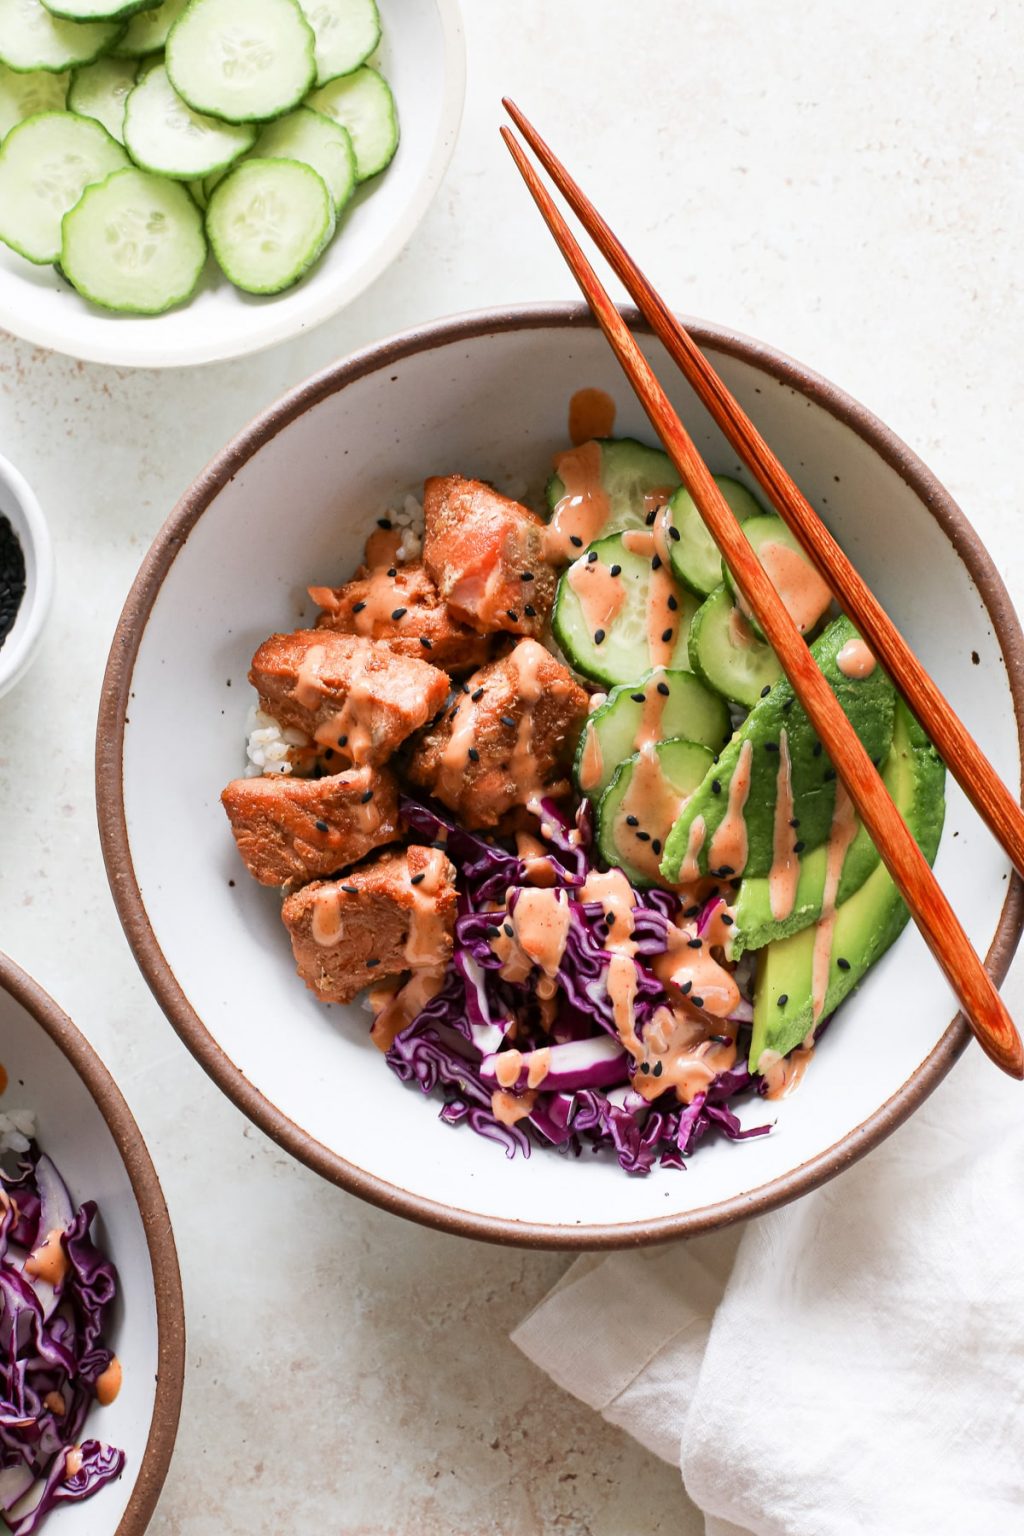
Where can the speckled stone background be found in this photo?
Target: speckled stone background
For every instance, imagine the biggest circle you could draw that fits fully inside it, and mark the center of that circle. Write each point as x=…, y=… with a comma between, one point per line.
x=841, y=179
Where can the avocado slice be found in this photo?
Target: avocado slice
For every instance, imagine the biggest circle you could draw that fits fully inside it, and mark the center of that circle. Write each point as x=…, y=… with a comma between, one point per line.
x=868, y=704
x=754, y=925
x=868, y=922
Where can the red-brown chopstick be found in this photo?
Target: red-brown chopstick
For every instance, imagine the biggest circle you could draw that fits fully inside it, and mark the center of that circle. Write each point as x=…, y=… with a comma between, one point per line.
x=938, y=923
x=968, y=764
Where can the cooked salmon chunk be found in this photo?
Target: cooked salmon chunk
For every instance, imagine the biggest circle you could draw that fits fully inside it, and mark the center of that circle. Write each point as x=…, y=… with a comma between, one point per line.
x=392, y=915
x=303, y=829
x=356, y=698
x=486, y=555
x=400, y=606
x=508, y=741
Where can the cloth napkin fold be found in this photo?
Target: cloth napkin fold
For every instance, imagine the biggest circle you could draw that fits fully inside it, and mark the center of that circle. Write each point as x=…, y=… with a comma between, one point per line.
x=852, y=1363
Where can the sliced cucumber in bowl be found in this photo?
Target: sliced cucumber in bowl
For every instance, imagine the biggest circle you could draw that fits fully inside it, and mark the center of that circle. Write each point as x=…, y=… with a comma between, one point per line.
x=97, y=10
x=148, y=31
x=268, y=221
x=696, y=558
x=134, y=243
x=163, y=134
x=641, y=804
x=660, y=706
x=241, y=60
x=316, y=141
x=727, y=654
x=346, y=33
x=805, y=595
x=100, y=90
x=629, y=473
x=31, y=38
x=25, y=95
x=45, y=165
x=363, y=104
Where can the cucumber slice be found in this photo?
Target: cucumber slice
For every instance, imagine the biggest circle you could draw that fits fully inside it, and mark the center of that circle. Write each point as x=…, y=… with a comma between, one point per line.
x=149, y=30
x=134, y=243
x=346, y=32
x=198, y=191
x=662, y=706
x=100, y=91
x=30, y=38
x=24, y=96
x=362, y=102
x=97, y=10
x=268, y=222
x=242, y=60
x=726, y=653
x=640, y=805
x=696, y=558
x=625, y=621
x=629, y=473
x=316, y=141
x=45, y=165
x=163, y=134
x=804, y=593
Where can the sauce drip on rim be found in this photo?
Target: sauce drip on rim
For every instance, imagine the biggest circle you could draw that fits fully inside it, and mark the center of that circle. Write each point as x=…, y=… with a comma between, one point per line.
x=591, y=414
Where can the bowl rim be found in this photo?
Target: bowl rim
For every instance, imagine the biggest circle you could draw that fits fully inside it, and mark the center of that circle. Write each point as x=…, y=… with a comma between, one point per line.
x=52, y=335
x=128, y=897
x=29, y=523
x=163, y=1255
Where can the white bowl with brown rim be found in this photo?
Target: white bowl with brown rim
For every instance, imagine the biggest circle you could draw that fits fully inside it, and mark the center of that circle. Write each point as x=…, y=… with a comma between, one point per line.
x=288, y=503
x=85, y=1126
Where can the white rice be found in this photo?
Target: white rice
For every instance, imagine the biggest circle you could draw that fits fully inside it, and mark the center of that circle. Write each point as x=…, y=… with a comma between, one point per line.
x=269, y=745
x=17, y=1129
x=409, y=518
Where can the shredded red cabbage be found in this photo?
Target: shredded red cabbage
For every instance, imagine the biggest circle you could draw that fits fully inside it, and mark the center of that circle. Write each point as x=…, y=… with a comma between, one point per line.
x=52, y=1349
x=585, y=1099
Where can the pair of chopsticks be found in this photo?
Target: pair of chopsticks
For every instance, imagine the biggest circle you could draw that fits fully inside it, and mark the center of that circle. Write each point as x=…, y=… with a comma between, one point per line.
x=938, y=923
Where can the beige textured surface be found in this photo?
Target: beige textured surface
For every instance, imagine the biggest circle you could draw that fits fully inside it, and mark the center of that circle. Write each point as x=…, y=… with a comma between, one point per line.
x=840, y=179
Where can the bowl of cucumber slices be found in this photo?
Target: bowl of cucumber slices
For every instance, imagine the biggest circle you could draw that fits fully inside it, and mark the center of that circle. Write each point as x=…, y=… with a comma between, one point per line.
x=187, y=181
x=635, y=636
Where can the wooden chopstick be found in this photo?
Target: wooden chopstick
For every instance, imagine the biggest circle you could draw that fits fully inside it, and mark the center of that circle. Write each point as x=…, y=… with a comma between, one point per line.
x=938, y=923
x=968, y=764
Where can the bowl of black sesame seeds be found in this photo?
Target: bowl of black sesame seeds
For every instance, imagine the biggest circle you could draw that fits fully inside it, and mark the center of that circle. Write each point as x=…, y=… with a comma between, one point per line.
x=26, y=575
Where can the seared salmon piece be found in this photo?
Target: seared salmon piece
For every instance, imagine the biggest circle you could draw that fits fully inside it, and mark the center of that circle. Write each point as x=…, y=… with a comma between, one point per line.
x=393, y=915
x=400, y=606
x=486, y=554
x=507, y=741
x=303, y=829
x=359, y=699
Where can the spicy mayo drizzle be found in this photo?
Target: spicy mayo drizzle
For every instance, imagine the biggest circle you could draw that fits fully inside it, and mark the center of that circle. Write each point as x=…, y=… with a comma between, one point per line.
x=784, y=875
x=843, y=831
x=856, y=659
x=804, y=594
x=583, y=507
x=729, y=843
x=591, y=414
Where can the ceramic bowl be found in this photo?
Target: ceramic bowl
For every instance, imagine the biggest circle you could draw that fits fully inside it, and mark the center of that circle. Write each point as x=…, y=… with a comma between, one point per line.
x=288, y=503
x=423, y=57
x=19, y=505
x=87, y=1128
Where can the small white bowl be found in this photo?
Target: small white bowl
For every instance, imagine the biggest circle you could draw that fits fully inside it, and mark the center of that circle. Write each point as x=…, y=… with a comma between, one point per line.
x=423, y=56
x=85, y=1125
x=19, y=505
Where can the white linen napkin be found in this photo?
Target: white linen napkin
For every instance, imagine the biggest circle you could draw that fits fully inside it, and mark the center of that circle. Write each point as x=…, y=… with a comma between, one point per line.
x=852, y=1363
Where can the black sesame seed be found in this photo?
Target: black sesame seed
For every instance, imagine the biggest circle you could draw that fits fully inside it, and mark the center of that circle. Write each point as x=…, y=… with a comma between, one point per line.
x=817, y=749
x=508, y=930
x=632, y=821
x=783, y=999
x=358, y=607
x=645, y=1066
x=365, y=799
x=844, y=965
x=693, y=911
x=724, y=870
x=530, y=611
x=673, y=603
x=686, y=988
x=643, y=837
x=392, y=573
x=508, y=721
x=493, y=933
x=510, y=613
x=474, y=755
x=321, y=826
x=592, y=557
x=477, y=696
x=342, y=741
x=598, y=636
x=427, y=644
x=698, y=1002
x=399, y=613
x=652, y=514
x=575, y=542
x=328, y=752
x=799, y=846
x=656, y=563
x=766, y=690
x=417, y=878
x=788, y=706
x=727, y=920
x=526, y=576
x=771, y=746
x=716, y=786
x=673, y=533
x=664, y=690
x=371, y=963
x=659, y=1068
x=439, y=842
x=828, y=775
x=656, y=845
x=351, y=890
x=639, y=698
x=616, y=570
x=795, y=822
x=666, y=636
x=385, y=523
x=696, y=943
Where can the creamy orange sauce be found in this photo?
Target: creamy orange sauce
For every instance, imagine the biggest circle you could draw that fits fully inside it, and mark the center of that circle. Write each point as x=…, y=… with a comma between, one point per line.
x=591, y=761
x=662, y=620
x=49, y=1262
x=841, y=835
x=856, y=659
x=541, y=923
x=537, y=867
x=73, y=1463
x=710, y=987
x=348, y=723
x=689, y=869
x=54, y=1401
x=307, y=691
x=740, y=633
x=455, y=757
x=618, y=899
x=527, y=660
x=591, y=414
x=108, y=1383
x=803, y=592
x=507, y=1068
x=427, y=944
x=729, y=843
x=650, y=728
x=655, y=804
x=601, y=595
x=784, y=875
x=583, y=509
x=682, y=1055
x=783, y=1074
x=510, y=1108
x=406, y=1002
x=326, y=924
x=538, y=1066
x=382, y=548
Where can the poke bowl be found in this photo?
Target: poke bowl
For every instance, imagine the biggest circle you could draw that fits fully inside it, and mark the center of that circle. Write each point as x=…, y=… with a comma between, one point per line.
x=463, y=414
x=101, y=1390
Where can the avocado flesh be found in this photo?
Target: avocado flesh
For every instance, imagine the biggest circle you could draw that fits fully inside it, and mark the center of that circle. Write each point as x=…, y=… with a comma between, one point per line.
x=867, y=923
x=867, y=702
x=754, y=925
